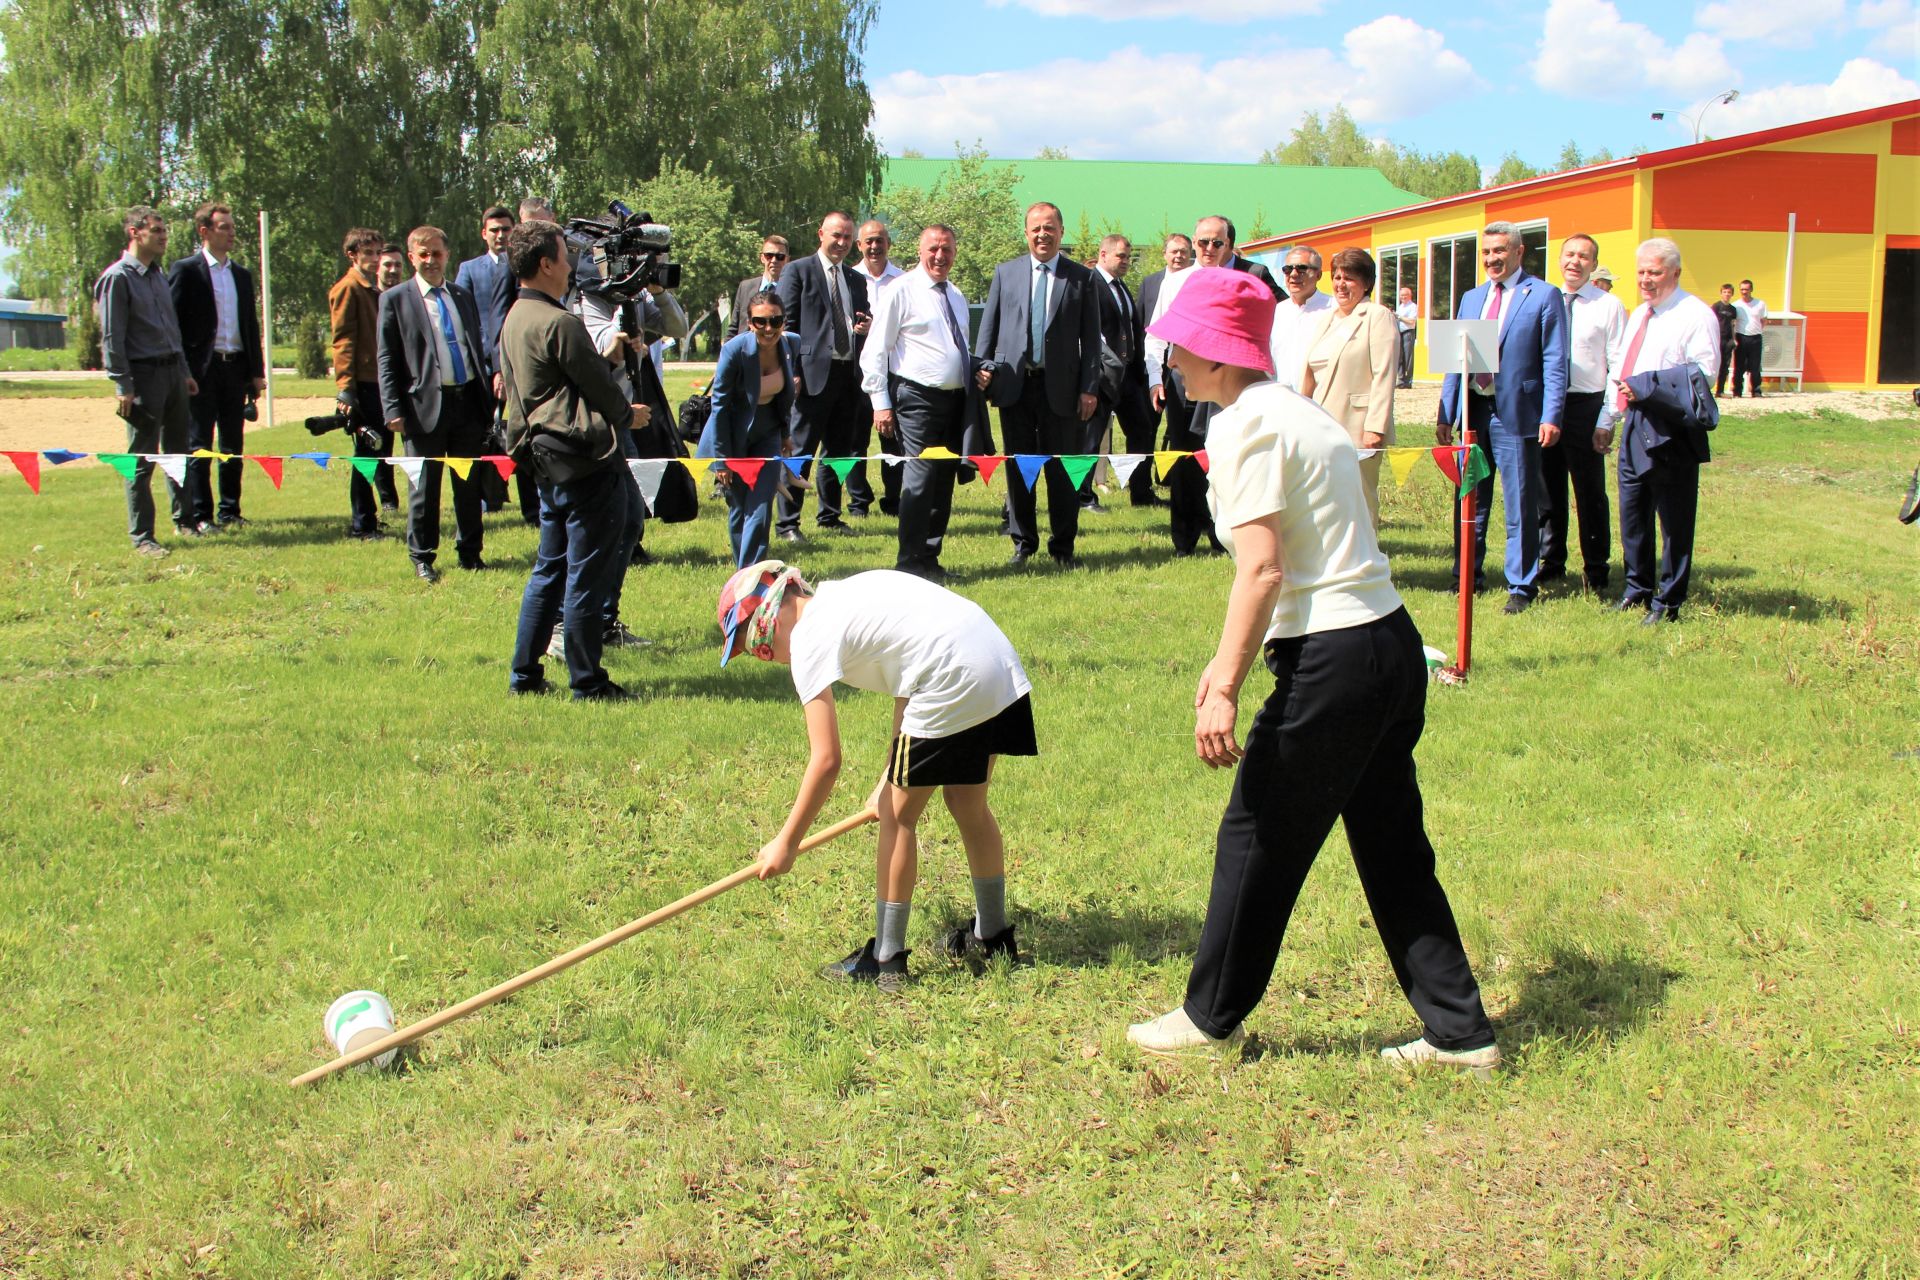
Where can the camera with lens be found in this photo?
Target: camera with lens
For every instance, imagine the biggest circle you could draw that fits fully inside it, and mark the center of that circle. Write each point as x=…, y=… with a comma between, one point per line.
x=631, y=252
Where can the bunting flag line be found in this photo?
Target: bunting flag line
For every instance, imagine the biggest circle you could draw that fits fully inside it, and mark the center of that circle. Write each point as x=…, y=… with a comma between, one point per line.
x=1476, y=470
x=409, y=467
x=460, y=466
x=796, y=465
x=649, y=474
x=1402, y=462
x=27, y=463
x=1079, y=466
x=1447, y=458
x=841, y=467
x=747, y=469
x=1124, y=465
x=367, y=467
x=1163, y=462
x=124, y=463
x=271, y=465
x=502, y=463
x=60, y=457
x=1200, y=456
x=174, y=465
x=1028, y=465
x=988, y=464
x=320, y=460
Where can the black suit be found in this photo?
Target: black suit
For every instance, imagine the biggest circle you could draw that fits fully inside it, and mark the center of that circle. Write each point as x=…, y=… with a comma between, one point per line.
x=1259, y=273
x=743, y=298
x=831, y=411
x=494, y=290
x=225, y=379
x=1039, y=406
x=437, y=420
x=1123, y=328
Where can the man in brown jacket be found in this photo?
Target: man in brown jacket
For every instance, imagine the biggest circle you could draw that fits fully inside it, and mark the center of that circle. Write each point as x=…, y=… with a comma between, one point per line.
x=565, y=416
x=353, y=306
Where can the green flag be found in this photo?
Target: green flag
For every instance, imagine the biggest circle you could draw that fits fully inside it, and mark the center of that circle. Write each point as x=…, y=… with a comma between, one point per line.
x=1078, y=465
x=1475, y=471
x=841, y=467
x=124, y=463
x=367, y=467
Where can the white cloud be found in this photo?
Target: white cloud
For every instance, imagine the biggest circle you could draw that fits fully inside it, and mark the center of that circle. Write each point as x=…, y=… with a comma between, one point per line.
x=1860, y=84
x=1775, y=21
x=1231, y=12
x=1896, y=28
x=1588, y=51
x=1171, y=106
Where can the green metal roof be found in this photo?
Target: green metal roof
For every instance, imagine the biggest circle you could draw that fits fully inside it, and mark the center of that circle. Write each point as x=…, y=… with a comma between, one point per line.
x=1140, y=196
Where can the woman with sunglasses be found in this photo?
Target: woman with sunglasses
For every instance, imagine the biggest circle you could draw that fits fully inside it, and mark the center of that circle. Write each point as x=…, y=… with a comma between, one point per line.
x=752, y=405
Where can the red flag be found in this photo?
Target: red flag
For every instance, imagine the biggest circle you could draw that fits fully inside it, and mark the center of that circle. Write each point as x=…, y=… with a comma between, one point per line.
x=747, y=469
x=271, y=465
x=988, y=464
x=29, y=464
x=1200, y=456
x=501, y=463
x=1447, y=458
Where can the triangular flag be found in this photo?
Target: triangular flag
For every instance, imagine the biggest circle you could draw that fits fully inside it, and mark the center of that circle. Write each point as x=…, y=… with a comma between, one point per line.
x=1476, y=470
x=501, y=463
x=320, y=460
x=691, y=464
x=988, y=464
x=29, y=464
x=174, y=464
x=1200, y=456
x=271, y=465
x=649, y=473
x=205, y=453
x=633, y=467
x=124, y=463
x=1028, y=466
x=1402, y=462
x=1447, y=458
x=939, y=453
x=841, y=467
x=747, y=469
x=460, y=466
x=1124, y=465
x=411, y=467
x=59, y=457
x=1078, y=465
x=796, y=465
x=900, y=459
x=367, y=467
x=1163, y=461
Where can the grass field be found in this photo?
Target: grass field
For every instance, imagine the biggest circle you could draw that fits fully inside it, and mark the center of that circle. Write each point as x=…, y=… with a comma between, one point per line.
x=275, y=767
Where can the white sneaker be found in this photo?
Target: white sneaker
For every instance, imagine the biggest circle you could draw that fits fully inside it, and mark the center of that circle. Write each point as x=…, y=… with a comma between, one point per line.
x=557, y=647
x=1173, y=1034
x=1420, y=1053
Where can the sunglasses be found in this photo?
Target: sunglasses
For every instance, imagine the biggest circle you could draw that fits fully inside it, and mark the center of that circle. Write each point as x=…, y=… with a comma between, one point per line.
x=1292, y=267
x=774, y=257
x=767, y=322
x=1213, y=244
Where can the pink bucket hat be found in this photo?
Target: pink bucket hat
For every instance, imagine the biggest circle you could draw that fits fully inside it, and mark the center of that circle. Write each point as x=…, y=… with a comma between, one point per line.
x=1221, y=314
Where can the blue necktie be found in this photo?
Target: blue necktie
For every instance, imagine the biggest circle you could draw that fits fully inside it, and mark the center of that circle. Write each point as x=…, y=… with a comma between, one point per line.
x=453, y=341
x=1037, y=320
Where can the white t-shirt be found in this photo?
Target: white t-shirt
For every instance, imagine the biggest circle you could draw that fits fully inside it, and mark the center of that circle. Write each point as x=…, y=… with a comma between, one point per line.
x=1272, y=451
x=894, y=633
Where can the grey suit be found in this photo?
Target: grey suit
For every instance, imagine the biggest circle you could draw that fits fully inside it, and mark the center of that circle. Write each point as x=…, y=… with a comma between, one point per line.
x=831, y=412
x=437, y=421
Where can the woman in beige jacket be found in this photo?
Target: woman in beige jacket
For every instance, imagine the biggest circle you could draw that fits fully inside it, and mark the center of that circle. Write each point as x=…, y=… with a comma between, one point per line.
x=1353, y=360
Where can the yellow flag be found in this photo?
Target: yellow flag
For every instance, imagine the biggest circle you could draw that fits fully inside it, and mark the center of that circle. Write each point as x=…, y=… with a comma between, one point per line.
x=1402, y=463
x=460, y=466
x=693, y=464
x=1163, y=461
x=940, y=451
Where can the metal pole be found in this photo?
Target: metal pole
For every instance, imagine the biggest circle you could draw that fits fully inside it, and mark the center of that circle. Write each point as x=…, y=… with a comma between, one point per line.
x=1468, y=503
x=266, y=313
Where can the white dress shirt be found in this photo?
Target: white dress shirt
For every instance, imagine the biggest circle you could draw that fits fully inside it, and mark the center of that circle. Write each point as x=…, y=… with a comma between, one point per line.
x=1293, y=329
x=1683, y=330
x=911, y=337
x=226, y=304
x=1598, y=341
x=1157, y=347
x=838, y=284
x=1408, y=313
x=875, y=283
x=1747, y=317
x=440, y=352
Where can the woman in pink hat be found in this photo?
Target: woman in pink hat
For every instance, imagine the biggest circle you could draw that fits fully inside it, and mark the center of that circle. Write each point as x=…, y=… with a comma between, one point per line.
x=1335, y=738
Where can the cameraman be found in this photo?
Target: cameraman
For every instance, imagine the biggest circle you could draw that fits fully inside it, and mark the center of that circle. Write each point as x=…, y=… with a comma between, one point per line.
x=566, y=417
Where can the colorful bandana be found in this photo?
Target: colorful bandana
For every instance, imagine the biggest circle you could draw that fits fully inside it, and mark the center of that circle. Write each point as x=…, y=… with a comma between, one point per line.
x=750, y=607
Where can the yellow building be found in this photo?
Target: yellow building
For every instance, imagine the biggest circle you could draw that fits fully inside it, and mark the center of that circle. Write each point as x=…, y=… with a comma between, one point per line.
x=1823, y=217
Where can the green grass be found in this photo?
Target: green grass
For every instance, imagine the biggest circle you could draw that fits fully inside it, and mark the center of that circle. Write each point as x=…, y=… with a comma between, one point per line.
x=274, y=768
x=678, y=383
x=22, y=359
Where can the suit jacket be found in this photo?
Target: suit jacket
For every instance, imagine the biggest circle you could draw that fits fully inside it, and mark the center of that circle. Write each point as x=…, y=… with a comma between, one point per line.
x=1124, y=335
x=493, y=288
x=1531, y=386
x=803, y=291
x=410, y=360
x=741, y=297
x=739, y=426
x=1259, y=273
x=191, y=281
x=353, y=309
x=1668, y=419
x=1363, y=356
x=1072, y=332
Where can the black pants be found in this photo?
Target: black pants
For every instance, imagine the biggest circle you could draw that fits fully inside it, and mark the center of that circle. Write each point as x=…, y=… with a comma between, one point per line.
x=361, y=493
x=890, y=476
x=462, y=428
x=1334, y=740
x=1746, y=362
x=1666, y=489
x=1726, y=366
x=827, y=422
x=1134, y=412
x=219, y=425
x=1188, y=515
x=1031, y=426
x=923, y=418
x=1574, y=460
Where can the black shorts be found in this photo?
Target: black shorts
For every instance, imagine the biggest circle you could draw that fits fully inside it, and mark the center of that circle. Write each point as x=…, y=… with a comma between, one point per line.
x=962, y=759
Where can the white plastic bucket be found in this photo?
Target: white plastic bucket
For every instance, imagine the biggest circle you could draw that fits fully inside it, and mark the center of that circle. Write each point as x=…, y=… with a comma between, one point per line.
x=356, y=1020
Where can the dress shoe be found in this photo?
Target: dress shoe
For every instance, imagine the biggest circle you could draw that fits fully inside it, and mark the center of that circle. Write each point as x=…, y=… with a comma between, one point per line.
x=1173, y=1035
x=233, y=522
x=472, y=564
x=608, y=692
x=641, y=557
x=1657, y=616
x=857, y=515
x=374, y=535
x=1096, y=506
x=539, y=686
x=1019, y=559
x=838, y=529
x=1517, y=603
x=1628, y=604
x=790, y=536
x=426, y=572
x=1068, y=561
x=152, y=550
x=189, y=530
x=1419, y=1053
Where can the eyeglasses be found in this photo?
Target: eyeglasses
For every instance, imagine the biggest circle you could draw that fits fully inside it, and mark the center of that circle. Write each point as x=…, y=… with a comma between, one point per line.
x=774, y=257
x=1292, y=267
x=1213, y=244
x=767, y=322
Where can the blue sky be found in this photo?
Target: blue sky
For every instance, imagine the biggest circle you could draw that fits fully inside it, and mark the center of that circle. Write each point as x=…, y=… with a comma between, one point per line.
x=1142, y=79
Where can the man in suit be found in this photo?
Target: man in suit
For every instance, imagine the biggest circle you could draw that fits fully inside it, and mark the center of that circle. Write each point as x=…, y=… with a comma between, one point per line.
x=827, y=314
x=353, y=311
x=773, y=260
x=1596, y=339
x=1516, y=410
x=1123, y=331
x=1213, y=241
x=1176, y=255
x=1041, y=334
x=435, y=391
x=493, y=288
x=213, y=297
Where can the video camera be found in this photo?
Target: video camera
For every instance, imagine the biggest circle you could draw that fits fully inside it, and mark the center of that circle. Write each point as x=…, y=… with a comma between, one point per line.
x=341, y=420
x=633, y=253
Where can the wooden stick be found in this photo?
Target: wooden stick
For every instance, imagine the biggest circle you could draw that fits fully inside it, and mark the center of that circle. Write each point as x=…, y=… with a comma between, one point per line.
x=408, y=1034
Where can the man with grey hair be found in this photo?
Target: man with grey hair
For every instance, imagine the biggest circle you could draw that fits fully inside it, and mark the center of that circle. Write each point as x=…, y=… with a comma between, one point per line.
x=141, y=347
x=1515, y=411
x=1298, y=314
x=1665, y=390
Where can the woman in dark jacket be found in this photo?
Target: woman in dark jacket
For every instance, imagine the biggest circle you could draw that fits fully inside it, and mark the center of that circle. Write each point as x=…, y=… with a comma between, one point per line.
x=752, y=405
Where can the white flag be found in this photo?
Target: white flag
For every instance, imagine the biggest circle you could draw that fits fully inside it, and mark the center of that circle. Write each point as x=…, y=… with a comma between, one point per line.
x=412, y=467
x=1124, y=465
x=174, y=464
x=648, y=473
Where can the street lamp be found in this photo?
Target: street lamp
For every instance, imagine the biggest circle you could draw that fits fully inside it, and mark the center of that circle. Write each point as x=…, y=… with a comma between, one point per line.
x=1701, y=114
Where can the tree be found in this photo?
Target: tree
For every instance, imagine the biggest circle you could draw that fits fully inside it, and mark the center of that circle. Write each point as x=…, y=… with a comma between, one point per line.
x=1052, y=153
x=977, y=202
x=1512, y=169
x=1338, y=142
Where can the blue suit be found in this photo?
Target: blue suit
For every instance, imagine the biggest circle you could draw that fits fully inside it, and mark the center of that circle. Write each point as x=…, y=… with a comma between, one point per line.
x=739, y=426
x=1529, y=389
x=494, y=289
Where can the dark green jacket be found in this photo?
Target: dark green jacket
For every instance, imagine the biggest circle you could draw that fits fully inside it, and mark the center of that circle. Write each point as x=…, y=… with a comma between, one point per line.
x=564, y=410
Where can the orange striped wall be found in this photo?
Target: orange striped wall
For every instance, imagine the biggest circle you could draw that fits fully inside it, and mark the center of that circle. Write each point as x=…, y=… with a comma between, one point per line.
x=1593, y=207
x=1836, y=346
x=1756, y=190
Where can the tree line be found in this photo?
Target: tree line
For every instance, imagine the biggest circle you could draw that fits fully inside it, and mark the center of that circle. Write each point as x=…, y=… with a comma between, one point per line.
x=1337, y=140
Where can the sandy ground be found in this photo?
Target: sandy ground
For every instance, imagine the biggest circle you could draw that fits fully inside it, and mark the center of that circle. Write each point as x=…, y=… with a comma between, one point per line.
x=89, y=426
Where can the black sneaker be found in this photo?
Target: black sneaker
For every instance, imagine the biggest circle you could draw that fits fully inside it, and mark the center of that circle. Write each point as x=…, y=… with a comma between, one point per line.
x=860, y=966
x=961, y=944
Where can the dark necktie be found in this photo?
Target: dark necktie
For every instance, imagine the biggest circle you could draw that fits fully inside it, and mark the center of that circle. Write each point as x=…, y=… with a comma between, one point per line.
x=842, y=340
x=953, y=325
x=1126, y=320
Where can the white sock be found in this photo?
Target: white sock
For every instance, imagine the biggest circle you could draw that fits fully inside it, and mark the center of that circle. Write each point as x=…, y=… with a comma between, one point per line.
x=989, y=905
x=889, y=928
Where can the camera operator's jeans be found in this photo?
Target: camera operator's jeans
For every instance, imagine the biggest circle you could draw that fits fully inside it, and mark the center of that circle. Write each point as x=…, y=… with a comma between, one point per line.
x=582, y=523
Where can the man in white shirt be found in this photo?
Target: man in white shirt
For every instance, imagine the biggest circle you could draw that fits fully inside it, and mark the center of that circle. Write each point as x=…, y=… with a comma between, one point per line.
x=1298, y=314
x=1597, y=339
x=1408, y=313
x=1673, y=341
x=915, y=367
x=1748, y=322
x=875, y=242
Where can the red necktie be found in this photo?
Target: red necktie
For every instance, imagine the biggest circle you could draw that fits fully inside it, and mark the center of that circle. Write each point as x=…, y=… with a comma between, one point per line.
x=1483, y=382
x=1633, y=354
